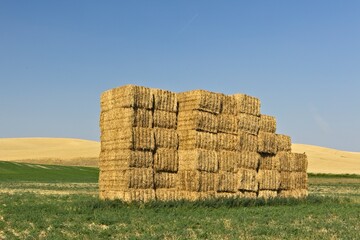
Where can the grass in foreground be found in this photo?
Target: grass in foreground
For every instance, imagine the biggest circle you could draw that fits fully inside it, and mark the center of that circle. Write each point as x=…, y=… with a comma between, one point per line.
x=48, y=209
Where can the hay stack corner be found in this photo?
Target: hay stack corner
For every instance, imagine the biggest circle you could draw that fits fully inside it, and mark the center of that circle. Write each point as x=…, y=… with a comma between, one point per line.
x=161, y=145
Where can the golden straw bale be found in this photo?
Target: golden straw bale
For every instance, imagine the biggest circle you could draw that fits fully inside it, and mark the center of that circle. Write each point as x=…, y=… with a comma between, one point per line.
x=227, y=182
x=126, y=118
x=285, y=159
x=189, y=140
x=128, y=138
x=166, y=194
x=188, y=181
x=207, y=182
x=200, y=100
x=198, y=159
x=229, y=105
x=298, y=180
x=296, y=193
x=165, y=100
x=165, y=180
x=166, y=160
x=164, y=119
x=228, y=142
x=299, y=162
x=267, y=194
x=197, y=120
x=249, y=194
x=249, y=160
x=285, y=180
x=269, y=179
x=128, y=96
x=247, y=180
x=129, y=178
x=125, y=159
x=139, y=195
x=166, y=138
x=267, y=124
x=227, y=123
x=248, y=142
x=229, y=161
x=187, y=195
x=267, y=143
x=247, y=104
x=283, y=143
x=269, y=162
x=248, y=123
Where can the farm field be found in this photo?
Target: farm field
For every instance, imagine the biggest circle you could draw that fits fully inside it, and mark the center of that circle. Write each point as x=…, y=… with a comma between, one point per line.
x=58, y=202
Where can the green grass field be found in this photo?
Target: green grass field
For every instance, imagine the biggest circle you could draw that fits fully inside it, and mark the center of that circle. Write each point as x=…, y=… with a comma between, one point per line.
x=55, y=202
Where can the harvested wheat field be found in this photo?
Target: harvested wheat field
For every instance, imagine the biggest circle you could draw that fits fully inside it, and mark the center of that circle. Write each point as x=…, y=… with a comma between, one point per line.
x=61, y=151
x=327, y=160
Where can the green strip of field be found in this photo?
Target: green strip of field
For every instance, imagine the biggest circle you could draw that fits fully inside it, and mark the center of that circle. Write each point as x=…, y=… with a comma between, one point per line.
x=16, y=172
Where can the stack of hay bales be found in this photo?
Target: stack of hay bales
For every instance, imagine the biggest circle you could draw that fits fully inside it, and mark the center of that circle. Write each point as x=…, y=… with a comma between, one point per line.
x=166, y=159
x=127, y=144
x=237, y=146
x=159, y=145
x=197, y=129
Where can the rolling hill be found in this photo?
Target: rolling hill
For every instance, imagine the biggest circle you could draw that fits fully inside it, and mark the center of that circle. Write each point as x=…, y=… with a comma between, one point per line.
x=78, y=152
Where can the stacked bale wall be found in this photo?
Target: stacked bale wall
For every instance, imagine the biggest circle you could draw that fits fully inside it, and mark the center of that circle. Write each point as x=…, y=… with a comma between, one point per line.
x=159, y=145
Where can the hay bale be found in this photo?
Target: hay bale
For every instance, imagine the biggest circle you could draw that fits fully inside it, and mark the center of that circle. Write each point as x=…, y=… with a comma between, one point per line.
x=247, y=180
x=248, y=142
x=166, y=160
x=227, y=182
x=267, y=124
x=285, y=159
x=188, y=181
x=166, y=194
x=248, y=194
x=165, y=180
x=228, y=142
x=285, y=181
x=293, y=180
x=124, y=159
x=269, y=162
x=129, y=138
x=197, y=120
x=141, y=178
x=126, y=118
x=164, y=119
x=267, y=194
x=208, y=183
x=299, y=162
x=247, y=104
x=190, y=140
x=229, y=161
x=267, y=143
x=128, y=96
x=166, y=138
x=248, y=123
x=227, y=124
x=198, y=159
x=249, y=160
x=165, y=100
x=298, y=180
x=200, y=100
x=283, y=143
x=229, y=105
x=138, y=195
x=296, y=193
x=269, y=179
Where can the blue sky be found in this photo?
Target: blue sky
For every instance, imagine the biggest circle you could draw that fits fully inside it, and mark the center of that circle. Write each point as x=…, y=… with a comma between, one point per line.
x=301, y=58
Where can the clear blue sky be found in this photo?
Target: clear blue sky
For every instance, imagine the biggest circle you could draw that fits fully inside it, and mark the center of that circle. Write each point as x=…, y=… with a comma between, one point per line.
x=301, y=58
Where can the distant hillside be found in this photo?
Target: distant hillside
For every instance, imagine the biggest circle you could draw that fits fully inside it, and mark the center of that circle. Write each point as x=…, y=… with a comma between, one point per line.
x=61, y=151
x=77, y=152
x=327, y=160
